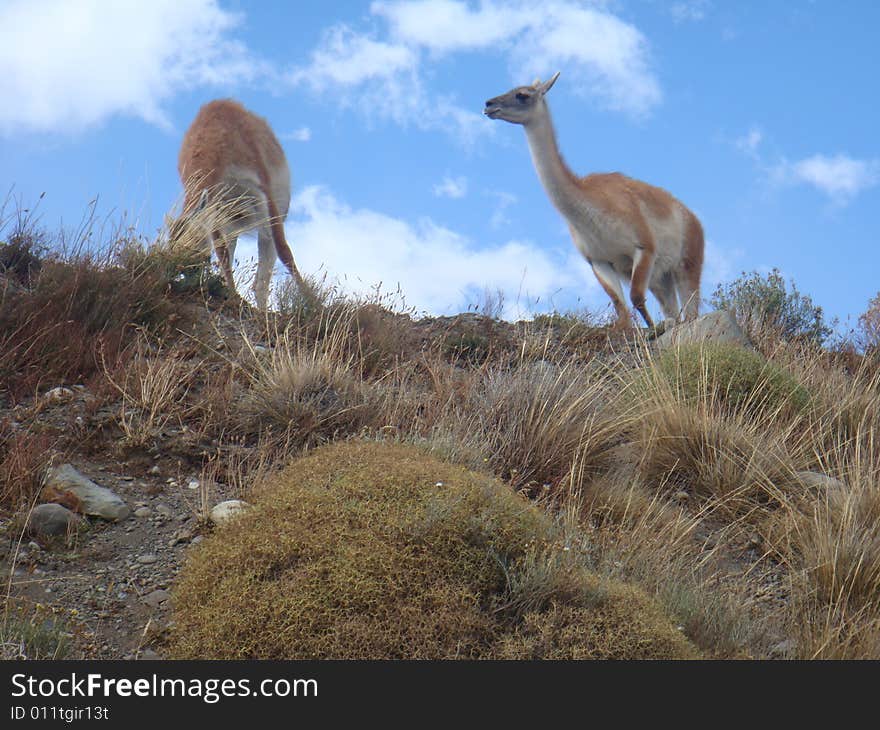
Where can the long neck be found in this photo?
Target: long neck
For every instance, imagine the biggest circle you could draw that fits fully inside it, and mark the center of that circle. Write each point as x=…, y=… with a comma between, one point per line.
x=557, y=179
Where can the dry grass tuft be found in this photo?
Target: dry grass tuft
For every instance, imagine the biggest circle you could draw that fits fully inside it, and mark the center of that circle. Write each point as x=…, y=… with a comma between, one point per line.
x=23, y=460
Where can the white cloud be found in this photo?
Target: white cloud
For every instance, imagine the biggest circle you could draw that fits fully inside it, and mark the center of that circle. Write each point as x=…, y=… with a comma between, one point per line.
x=66, y=65
x=689, y=10
x=382, y=72
x=438, y=270
x=503, y=201
x=347, y=58
x=840, y=177
x=451, y=187
x=603, y=56
x=452, y=25
x=382, y=80
x=303, y=134
x=750, y=141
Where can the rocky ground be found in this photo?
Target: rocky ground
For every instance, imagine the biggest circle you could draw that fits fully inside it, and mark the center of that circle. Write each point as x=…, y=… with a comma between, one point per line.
x=108, y=582
x=98, y=569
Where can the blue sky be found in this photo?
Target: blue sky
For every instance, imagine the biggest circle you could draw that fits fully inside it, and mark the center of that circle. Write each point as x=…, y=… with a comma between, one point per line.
x=761, y=117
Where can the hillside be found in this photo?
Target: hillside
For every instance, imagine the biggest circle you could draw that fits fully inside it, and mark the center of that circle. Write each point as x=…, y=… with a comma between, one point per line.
x=732, y=488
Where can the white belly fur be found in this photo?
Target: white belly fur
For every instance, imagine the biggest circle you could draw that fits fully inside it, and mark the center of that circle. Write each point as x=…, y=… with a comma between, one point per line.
x=601, y=238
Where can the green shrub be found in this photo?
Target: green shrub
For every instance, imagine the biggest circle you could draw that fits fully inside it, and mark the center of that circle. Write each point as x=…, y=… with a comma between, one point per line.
x=21, y=256
x=760, y=302
x=869, y=327
x=380, y=551
x=737, y=377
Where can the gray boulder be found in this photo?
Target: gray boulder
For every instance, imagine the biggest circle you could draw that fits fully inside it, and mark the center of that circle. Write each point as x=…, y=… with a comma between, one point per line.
x=96, y=500
x=49, y=520
x=718, y=326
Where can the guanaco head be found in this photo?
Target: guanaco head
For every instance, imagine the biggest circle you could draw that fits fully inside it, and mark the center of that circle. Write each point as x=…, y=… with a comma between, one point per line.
x=520, y=105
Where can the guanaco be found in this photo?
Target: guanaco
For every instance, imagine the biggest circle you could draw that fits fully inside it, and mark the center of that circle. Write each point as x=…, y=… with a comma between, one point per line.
x=236, y=179
x=625, y=228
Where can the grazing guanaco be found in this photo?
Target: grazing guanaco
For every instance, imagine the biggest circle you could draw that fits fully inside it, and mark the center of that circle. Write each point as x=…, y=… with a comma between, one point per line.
x=625, y=228
x=236, y=179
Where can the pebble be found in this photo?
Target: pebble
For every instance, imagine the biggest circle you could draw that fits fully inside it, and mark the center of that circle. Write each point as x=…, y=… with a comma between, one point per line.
x=143, y=512
x=155, y=470
x=147, y=558
x=156, y=598
x=164, y=510
x=184, y=534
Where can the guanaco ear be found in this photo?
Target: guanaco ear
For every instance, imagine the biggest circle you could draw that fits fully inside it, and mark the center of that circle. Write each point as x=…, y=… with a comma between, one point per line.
x=549, y=84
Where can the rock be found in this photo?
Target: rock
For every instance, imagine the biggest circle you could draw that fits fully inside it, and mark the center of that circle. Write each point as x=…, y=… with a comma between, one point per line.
x=58, y=395
x=819, y=482
x=147, y=558
x=156, y=598
x=681, y=496
x=155, y=471
x=225, y=511
x=96, y=500
x=784, y=649
x=46, y=520
x=185, y=534
x=164, y=510
x=148, y=655
x=718, y=326
x=65, y=498
x=192, y=484
x=143, y=512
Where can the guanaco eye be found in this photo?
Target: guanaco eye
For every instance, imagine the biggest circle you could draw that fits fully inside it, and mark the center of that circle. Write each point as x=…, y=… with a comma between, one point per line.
x=520, y=96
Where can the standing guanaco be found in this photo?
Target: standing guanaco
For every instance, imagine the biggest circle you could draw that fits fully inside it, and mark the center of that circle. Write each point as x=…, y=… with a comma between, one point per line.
x=625, y=228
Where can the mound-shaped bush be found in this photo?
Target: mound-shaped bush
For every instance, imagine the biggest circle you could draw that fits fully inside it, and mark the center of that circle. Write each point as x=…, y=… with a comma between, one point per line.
x=373, y=550
x=738, y=377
